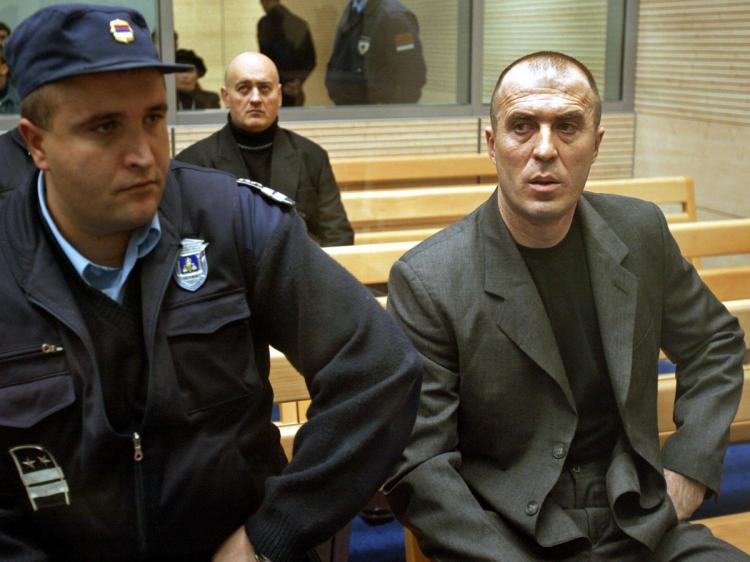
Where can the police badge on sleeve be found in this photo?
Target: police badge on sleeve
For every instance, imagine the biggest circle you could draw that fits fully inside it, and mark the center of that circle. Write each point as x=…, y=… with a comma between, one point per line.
x=41, y=476
x=191, y=270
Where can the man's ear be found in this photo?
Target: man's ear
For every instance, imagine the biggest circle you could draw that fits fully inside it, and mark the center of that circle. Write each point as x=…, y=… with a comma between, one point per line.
x=598, y=141
x=489, y=137
x=34, y=137
x=224, y=96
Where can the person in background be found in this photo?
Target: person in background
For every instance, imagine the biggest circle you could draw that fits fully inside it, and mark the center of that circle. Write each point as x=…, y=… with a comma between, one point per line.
x=377, y=55
x=139, y=297
x=190, y=95
x=16, y=164
x=285, y=38
x=252, y=145
x=4, y=32
x=9, y=100
x=539, y=318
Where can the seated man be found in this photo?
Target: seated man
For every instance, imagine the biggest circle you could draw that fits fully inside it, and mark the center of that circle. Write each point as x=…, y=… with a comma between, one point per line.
x=190, y=95
x=252, y=145
x=139, y=298
x=9, y=100
x=539, y=318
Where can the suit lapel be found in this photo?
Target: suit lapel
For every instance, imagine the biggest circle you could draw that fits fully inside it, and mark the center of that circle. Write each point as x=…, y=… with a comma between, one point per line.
x=615, y=296
x=520, y=312
x=285, y=165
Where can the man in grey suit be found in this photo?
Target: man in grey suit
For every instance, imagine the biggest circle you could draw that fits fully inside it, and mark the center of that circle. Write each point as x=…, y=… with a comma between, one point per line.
x=252, y=145
x=539, y=318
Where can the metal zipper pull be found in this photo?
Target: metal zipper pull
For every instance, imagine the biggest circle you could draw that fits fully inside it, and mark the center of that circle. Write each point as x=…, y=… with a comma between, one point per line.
x=51, y=348
x=137, y=449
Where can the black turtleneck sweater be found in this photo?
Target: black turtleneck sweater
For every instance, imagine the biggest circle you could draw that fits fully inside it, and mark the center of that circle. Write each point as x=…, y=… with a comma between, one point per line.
x=256, y=150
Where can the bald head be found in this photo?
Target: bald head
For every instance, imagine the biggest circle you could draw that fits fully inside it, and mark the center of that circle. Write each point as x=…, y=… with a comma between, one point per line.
x=546, y=68
x=249, y=63
x=252, y=91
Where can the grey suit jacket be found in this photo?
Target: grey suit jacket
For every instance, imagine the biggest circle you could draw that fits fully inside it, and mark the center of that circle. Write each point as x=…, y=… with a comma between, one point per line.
x=299, y=168
x=495, y=396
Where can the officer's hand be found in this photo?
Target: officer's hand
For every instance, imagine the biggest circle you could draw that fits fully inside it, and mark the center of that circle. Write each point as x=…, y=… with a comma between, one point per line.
x=686, y=494
x=236, y=548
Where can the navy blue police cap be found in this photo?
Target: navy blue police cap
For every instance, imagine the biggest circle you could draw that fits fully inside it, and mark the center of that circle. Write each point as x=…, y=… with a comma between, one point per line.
x=68, y=40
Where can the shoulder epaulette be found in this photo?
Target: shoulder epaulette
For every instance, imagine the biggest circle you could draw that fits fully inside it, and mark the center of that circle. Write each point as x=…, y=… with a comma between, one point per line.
x=267, y=192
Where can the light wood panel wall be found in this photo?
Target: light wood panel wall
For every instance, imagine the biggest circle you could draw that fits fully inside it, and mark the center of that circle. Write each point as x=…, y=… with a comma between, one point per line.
x=513, y=28
x=435, y=136
x=692, y=98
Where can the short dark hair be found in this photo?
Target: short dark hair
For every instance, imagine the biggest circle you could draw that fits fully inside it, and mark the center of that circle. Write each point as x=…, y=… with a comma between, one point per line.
x=2, y=55
x=543, y=60
x=4, y=27
x=39, y=106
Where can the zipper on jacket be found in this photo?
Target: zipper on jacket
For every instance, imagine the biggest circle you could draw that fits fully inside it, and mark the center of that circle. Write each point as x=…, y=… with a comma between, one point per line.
x=31, y=351
x=140, y=494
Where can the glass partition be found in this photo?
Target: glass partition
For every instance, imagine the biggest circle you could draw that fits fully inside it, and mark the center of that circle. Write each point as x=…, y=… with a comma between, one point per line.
x=590, y=30
x=377, y=56
x=463, y=45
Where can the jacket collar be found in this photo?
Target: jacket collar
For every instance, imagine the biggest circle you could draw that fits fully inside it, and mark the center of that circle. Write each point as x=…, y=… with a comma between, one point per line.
x=521, y=315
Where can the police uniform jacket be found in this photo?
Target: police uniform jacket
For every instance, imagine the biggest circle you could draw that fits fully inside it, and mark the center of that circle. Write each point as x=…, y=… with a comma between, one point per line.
x=299, y=168
x=207, y=457
x=377, y=56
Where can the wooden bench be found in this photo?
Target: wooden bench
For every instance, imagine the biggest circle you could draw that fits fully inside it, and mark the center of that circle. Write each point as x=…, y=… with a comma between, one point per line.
x=718, y=238
x=391, y=215
x=399, y=171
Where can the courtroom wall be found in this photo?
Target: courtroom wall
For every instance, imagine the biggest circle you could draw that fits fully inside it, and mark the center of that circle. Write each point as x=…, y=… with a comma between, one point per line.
x=692, y=99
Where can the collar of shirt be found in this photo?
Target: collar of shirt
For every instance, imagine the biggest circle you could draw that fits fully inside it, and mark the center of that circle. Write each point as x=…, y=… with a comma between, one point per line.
x=359, y=5
x=108, y=280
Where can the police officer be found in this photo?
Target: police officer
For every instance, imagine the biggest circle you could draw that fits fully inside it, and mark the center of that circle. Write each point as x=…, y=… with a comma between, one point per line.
x=377, y=55
x=139, y=298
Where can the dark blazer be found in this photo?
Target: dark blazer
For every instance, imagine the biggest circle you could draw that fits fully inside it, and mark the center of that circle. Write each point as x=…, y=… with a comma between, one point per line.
x=299, y=168
x=496, y=404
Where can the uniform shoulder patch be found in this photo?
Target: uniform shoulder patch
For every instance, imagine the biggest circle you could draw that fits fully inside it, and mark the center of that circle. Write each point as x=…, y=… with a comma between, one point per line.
x=267, y=192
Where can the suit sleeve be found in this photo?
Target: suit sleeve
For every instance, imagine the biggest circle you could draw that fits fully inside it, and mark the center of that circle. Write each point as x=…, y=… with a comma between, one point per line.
x=333, y=228
x=363, y=376
x=706, y=344
x=427, y=491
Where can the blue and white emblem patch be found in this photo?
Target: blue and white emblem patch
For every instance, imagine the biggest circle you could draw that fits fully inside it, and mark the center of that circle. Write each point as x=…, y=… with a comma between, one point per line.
x=41, y=476
x=192, y=267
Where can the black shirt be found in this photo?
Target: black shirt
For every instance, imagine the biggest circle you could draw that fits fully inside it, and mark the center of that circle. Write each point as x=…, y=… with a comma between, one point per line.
x=256, y=150
x=561, y=276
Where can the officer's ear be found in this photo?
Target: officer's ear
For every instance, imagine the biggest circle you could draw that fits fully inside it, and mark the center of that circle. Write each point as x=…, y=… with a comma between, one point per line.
x=34, y=136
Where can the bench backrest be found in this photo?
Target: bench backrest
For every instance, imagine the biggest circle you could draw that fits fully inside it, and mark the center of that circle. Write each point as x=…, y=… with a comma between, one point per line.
x=371, y=263
x=390, y=171
x=391, y=215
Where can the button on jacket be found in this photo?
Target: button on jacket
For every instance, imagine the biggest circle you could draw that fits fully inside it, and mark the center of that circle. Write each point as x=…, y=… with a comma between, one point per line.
x=205, y=458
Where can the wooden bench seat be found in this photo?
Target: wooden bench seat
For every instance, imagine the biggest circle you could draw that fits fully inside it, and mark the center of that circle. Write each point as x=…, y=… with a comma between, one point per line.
x=392, y=215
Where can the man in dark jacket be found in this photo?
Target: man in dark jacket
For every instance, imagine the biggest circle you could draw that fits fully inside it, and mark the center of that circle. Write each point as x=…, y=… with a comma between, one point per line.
x=253, y=145
x=377, y=55
x=139, y=298
x=285, y=38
